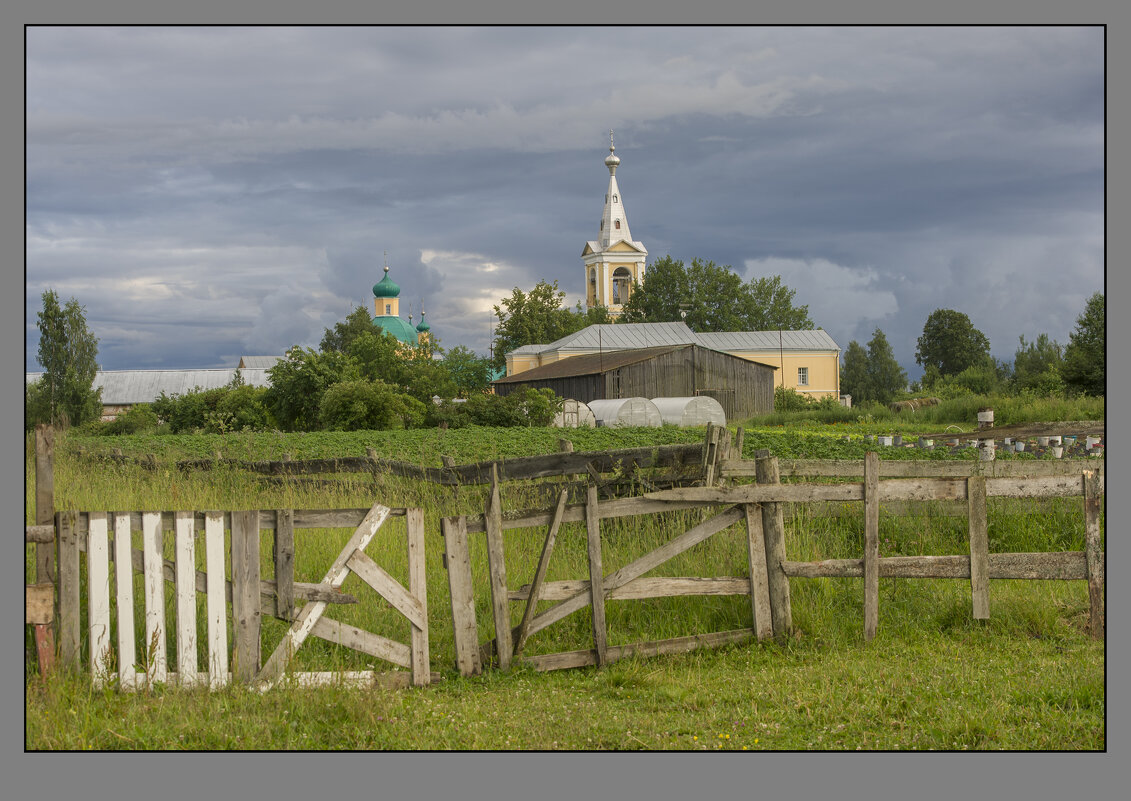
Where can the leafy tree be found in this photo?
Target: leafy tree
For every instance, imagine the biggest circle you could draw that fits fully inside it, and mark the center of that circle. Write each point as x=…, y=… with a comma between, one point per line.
x=950, y=343
x=344, y=333
x=378, y=357
x=67, y=353
x=713, y=298
x=359, y=404
x=533, y=318
x=854, y=374
x=885, y=376
x=1037, y=365
x=471, y=373
x=1085, y=364
x=135, y=420
x=298, y=382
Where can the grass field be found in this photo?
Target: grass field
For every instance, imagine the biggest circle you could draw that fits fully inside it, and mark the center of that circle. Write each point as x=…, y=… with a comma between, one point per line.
x=1029, y=678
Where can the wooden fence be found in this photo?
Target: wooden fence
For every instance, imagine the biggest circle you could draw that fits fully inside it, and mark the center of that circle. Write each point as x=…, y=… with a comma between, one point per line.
x=247, y=595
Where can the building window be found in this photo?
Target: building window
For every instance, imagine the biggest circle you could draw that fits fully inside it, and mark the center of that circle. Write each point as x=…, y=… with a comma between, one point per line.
x=614, y=198
x=622, y=285
x=618, y=224
x=802, y=376
x=388, y=308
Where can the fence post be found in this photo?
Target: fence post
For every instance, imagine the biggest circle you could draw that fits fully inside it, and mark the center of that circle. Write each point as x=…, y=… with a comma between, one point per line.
x=463, y=599
x=418, y=588
x=98, y=593
x=759, y=586
x=246, y=611
x=44, y=500
x=68, y=563
x=1092, y=553
x=773, y=529
x=284, y=556
x=497, y=567
x=596, y=591
x=871, y=545
x=979, y=547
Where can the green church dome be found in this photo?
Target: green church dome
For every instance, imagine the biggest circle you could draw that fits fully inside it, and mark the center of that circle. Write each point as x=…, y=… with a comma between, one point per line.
x=423, y=327
x=385, y=288
x=397, y=327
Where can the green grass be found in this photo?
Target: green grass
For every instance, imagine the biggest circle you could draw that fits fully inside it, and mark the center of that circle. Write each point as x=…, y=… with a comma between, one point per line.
x=1029, y=678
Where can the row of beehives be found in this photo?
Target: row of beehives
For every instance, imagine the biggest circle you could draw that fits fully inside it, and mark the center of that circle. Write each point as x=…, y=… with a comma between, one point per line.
x=683, y=412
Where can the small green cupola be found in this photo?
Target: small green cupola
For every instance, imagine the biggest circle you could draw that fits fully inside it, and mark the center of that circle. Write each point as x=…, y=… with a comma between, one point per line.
x=423, y=328
x=385, y=288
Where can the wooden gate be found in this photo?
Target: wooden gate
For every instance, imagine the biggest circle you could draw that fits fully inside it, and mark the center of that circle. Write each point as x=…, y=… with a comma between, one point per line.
x=249, y=598
x=629, y=582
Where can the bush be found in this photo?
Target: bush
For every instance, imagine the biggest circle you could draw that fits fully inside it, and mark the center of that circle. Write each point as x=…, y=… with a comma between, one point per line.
x=139, y=419
x=526, y=407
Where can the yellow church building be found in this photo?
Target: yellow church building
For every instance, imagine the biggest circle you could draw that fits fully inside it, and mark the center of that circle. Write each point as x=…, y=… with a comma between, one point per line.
x=806, y=361
x=387, y=310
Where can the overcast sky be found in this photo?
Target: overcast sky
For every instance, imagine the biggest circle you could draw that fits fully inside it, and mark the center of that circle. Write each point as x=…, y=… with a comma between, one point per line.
x=208, y=193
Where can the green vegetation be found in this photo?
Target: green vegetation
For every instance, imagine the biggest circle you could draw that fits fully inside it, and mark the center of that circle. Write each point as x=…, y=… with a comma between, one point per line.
x=538, y=317
x=1084, y=358
x=1029, y=678
x=68, y=353
x=713, y=298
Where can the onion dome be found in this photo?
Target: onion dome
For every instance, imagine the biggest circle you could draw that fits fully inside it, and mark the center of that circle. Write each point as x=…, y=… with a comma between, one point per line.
x=385, y=288
x=423, y=327
x=401, y=330
x=612, y=160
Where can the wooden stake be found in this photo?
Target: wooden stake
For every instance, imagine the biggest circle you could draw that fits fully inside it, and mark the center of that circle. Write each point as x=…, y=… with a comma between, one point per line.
x=124, y=589
x=246, y=612
x=979, y=547
x=44, y=500
x=773, y=528
x=186, y=596
x=596, y=591
x=759, y=583
x=156, y=665
x=68, y=562
x=284, y=547
x=216, y=604
x=1093, y=554
x=871, y=545
x=418, y=587
x=98, y=594
x=463, y=599
x=496, y=562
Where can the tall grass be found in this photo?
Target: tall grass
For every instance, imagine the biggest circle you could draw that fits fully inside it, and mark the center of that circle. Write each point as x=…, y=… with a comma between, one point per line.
x=1030, y=678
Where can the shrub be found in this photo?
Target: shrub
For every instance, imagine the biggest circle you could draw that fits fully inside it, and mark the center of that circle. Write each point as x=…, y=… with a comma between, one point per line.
x=139, y=419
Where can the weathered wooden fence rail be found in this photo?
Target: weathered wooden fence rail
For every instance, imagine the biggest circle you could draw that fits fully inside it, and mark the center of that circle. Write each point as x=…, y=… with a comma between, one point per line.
x=246, y=595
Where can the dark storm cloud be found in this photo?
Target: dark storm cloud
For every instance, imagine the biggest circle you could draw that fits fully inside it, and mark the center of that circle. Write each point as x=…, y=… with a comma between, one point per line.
x=212, y=192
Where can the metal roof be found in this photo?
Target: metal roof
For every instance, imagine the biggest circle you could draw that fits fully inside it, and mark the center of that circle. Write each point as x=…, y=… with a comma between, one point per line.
x=621, y=336
x=588, y=364
x=259, y=362
x=618, y=336
x=816, y=339
x=123, y=387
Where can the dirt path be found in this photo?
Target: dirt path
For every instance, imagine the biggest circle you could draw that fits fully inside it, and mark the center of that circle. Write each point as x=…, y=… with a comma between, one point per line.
x=1079, y=428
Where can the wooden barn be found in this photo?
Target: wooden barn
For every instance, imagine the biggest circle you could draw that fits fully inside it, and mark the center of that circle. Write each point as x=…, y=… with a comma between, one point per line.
x=744, y=388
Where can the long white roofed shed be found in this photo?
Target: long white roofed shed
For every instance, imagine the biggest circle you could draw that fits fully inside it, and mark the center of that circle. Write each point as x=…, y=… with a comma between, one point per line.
x=122, y=389
x=626, y=412
x=690, y=412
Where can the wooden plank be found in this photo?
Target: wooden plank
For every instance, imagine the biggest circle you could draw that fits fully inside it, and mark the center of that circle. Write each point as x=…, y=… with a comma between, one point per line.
x=247, y=616
x=573, y=659
x=310, y=613
x=418, y=586
x=759, y=581
x=216, y=602
x=1050, y=487
x=45, y=500
x=45, y=646
x=358, y=679
x=39, y=604
x=1093, y=555
x=98, y=595
x=360, y=640
x=596, y=592
x=463, y=600
x=154, y=646
x=644, y=587
x=284, y=557
x=124, y=590
x=639, y=567
x=813, y=468
x=757, y=493
x=773, y=531
x=68, y=598
x=1067, y=566
x=871, y=545
x=185, y=550
x=615, y=508
x=497, y=568
x=535, y=588
x=387, y=587
x=979, y=547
